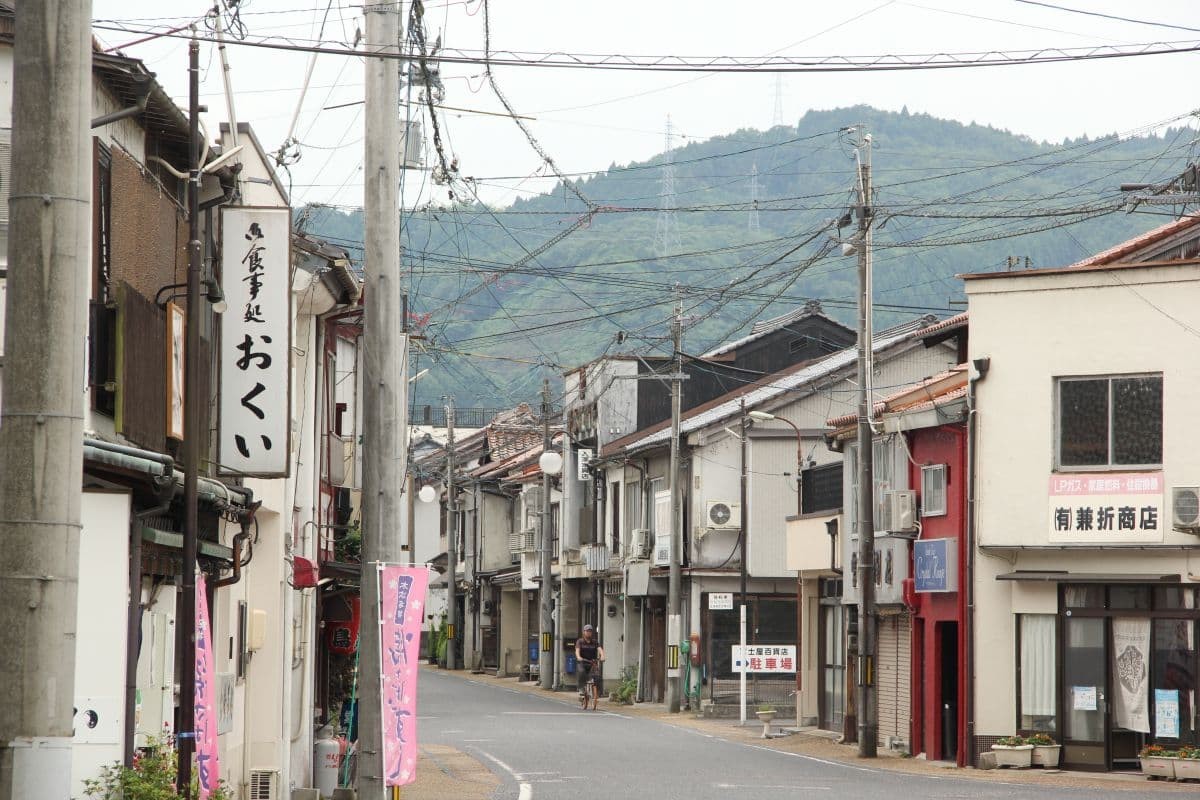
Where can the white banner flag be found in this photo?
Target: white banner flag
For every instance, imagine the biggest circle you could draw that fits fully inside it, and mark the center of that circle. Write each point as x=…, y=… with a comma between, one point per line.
x=1131, y=667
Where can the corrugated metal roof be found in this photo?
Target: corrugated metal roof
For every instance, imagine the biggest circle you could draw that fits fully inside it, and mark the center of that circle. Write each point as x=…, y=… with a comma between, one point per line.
x=778, y=384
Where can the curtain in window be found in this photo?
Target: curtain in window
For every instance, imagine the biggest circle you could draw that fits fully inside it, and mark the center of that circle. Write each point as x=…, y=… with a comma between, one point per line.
x=1037, y=669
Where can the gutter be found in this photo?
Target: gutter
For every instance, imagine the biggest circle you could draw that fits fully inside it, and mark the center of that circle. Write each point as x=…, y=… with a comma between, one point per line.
x=146, y=84
x=981, y=368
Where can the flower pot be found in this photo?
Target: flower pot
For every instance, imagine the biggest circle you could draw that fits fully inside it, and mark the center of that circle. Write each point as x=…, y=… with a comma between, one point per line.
x=1186, y=768
x=1046, y=755
x=1158, y=766
x=766, y=716
x=1019, y=756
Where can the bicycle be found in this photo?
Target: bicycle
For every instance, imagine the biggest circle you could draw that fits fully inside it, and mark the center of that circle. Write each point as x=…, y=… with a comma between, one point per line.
x=590, y=690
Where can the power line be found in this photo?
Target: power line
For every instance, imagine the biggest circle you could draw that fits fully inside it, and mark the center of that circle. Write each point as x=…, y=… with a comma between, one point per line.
x=1108, y=16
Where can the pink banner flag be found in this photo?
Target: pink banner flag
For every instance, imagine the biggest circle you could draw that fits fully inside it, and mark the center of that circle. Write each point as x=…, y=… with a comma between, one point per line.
x=402, y=606
x=208, y=764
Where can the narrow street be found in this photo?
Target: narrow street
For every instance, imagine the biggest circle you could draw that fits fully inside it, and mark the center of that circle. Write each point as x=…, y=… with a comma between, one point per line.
x=544, y=749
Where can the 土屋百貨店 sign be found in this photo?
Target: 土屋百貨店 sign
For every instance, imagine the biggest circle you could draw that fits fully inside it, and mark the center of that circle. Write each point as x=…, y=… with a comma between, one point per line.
x=255, y=341
x=764, y=658
x=935, y=565
x=1102, y=508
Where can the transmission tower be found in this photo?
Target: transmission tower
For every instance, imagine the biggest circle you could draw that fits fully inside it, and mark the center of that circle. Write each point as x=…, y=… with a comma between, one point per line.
x=666, y=236
x=753, y=224
x=777, y=119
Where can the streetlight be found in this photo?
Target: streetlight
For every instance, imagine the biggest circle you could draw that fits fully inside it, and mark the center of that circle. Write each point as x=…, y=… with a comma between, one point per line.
x=763, y=416
x=427, y=494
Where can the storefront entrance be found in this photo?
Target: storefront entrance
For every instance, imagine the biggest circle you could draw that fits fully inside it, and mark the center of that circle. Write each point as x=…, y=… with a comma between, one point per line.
x=1129, y=664
x=831, y=649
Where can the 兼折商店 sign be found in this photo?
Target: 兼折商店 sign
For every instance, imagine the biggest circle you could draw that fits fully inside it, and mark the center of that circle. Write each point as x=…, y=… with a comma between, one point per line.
x=935, y=565
x=255, y=338
x=1099, y=508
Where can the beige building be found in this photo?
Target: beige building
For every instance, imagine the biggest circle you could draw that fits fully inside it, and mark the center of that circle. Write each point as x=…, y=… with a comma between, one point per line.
x=1087, y=463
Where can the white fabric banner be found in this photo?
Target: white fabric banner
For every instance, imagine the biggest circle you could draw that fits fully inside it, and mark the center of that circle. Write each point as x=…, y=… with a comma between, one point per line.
x=1131, y=668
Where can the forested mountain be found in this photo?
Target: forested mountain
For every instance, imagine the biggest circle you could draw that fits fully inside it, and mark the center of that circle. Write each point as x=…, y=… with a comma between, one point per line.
x=950, y=198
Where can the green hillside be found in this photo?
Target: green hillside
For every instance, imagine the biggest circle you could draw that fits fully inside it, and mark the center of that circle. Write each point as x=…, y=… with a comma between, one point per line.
x=951, y=198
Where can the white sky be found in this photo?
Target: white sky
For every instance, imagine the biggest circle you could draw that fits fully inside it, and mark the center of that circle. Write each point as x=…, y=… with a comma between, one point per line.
x=590, y=119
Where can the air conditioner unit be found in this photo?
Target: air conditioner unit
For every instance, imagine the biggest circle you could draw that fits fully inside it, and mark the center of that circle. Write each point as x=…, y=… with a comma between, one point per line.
x=721, y=514
x=1185, y=508
x=264, y=785
x=900, y=512
x=639, y=544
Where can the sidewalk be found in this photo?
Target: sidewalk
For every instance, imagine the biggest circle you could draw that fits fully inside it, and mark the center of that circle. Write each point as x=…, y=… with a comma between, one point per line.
x=444, y=772
x=812, y=743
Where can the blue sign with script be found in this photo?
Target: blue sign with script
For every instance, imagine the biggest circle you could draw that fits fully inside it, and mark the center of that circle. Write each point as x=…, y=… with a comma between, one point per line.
x=935, y=565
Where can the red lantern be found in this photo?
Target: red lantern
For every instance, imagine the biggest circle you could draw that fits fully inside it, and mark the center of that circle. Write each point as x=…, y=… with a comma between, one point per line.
x=341, y=626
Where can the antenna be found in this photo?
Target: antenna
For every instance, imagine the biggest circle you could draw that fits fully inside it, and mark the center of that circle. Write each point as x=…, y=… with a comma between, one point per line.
x=666, y=235
x=752, y=223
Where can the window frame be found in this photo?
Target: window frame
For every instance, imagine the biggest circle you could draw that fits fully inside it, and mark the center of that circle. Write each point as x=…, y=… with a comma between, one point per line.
x=927, y=471
x=1056, y=444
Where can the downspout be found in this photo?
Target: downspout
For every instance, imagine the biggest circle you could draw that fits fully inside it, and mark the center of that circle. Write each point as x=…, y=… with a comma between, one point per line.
x=143, y=97
x=981, y=368
x=133, y=628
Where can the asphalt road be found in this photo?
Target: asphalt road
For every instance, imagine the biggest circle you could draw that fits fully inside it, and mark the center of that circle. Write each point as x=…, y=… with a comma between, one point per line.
x=544, y=749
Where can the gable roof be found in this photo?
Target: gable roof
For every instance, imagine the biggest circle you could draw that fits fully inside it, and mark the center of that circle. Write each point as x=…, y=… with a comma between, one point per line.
x=762, y=328
x=1115, y=254
x=771, y=386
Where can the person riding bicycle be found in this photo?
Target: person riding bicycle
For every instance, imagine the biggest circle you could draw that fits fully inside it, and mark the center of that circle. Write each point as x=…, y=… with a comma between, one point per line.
x=588, y=655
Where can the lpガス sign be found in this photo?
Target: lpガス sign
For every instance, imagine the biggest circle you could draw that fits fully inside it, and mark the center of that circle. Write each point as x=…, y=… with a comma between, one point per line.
x=255, y=341
x=1100, y=508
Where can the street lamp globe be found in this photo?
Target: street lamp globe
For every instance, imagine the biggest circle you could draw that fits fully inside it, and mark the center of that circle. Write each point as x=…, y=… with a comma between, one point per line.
x=761, y=416
x=550, y=462
x=427, y=494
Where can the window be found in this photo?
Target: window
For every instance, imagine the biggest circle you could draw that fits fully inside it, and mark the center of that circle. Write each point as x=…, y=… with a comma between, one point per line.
x=1110, y=421
x=633, y=508
x=933, y=490
x=1037, y=664
x=821, y=489
x=102, y=316
x=885, y=476
x=554, y=528
x=614, y=492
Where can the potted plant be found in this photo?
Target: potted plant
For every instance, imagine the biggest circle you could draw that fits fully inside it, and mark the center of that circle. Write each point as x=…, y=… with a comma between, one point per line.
x=1046, y=751
x=1187, y=767
x=1012, y=751
x=766, y=713
x=1158, y=762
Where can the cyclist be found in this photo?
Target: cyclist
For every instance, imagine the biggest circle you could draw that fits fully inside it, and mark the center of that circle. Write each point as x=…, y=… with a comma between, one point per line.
x=588, y=655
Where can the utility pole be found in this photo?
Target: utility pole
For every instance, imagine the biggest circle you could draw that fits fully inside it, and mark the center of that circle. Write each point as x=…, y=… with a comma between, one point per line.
x=41, y=438
x=674, y=589
x=451, y=541
x=744, y=567
x=546, y=593
x=186, y=620
x=868, y=724
x=385, y=367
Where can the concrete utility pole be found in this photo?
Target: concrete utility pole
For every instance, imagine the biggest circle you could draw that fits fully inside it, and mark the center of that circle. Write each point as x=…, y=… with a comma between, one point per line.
x=385, y=364
x=674, y=578
x=185, y=625
x=41, y=438
x=451, y=541
x=868, y=724
x=546, y=548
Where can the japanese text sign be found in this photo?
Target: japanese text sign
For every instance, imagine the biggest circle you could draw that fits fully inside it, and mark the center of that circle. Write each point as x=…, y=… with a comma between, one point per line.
x=1099, y=508
x=255, y=340
x=402, y=605
x=764, y=658
x=208, y=764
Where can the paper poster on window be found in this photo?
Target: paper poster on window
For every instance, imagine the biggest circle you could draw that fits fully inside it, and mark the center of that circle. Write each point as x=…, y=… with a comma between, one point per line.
x=1106, y=507
x=1166, y=713
x=1083, y=698
x=1131, y=668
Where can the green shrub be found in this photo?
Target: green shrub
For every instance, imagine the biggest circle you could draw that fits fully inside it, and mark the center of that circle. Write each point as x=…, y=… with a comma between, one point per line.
x=626, y=689
x=152, y=777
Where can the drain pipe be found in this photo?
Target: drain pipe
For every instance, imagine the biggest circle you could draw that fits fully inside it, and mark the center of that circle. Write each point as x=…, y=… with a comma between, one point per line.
x=143, y=97
x=981, y=369
x=133, y=623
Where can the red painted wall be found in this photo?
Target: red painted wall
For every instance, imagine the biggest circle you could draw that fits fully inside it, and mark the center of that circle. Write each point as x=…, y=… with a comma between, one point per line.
x=946, y=444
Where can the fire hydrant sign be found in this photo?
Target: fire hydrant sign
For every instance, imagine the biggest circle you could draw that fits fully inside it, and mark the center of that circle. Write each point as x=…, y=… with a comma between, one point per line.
x=402, y=608
x=765, y=658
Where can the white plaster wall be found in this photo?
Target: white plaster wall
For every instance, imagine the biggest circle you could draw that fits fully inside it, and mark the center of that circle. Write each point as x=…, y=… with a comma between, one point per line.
x=1076, y=324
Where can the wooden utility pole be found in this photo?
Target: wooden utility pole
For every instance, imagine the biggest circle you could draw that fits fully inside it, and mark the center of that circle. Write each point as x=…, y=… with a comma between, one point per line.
x=385, y=367
x=41, y=438
x=674, y=577
x=868, y=724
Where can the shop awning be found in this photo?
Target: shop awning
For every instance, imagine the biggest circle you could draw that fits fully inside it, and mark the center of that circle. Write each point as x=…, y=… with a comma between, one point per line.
x=1062, y=576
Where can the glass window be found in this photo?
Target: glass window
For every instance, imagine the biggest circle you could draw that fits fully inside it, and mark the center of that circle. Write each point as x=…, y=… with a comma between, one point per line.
x=1129, y=597
x=1083, y=596
x=1174, y=597
x=1110, y=421
x=1174, y=678
x=1084, y=677
x=1038, y=666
